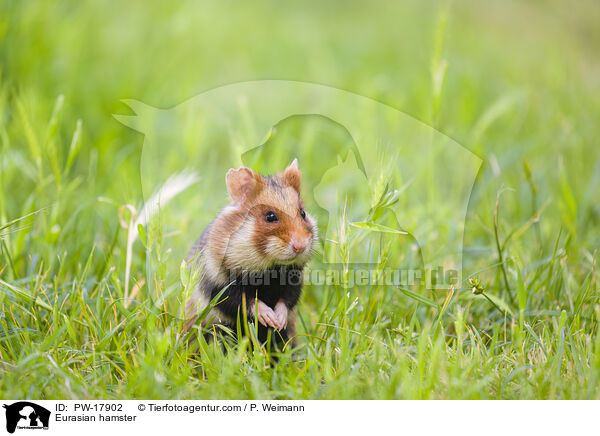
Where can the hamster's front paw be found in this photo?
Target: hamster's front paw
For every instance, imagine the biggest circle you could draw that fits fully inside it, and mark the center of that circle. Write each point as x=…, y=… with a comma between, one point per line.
x=281, y=315
x=264, y=314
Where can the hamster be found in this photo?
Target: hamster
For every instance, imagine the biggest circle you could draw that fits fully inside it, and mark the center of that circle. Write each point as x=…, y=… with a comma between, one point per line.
x=257, y=246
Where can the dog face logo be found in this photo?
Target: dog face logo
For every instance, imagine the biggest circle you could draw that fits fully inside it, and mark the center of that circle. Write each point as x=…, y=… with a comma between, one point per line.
x=26, y=415
x=398, y=186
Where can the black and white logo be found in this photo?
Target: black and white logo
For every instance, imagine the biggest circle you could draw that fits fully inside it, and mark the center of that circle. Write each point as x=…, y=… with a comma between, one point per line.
x=26, y=415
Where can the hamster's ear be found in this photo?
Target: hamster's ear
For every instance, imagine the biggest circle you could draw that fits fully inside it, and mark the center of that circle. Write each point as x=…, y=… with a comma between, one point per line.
x=243, y=184
x=292, y=175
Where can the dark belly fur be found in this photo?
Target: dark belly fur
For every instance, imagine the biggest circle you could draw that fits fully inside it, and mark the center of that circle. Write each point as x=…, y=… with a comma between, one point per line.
x=279, y=283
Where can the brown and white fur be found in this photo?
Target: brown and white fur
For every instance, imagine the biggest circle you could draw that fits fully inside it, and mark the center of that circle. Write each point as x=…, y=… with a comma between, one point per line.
x=263, y=231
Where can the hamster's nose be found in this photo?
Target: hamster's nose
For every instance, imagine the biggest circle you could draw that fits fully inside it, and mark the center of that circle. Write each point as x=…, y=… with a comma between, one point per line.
x=298, y=246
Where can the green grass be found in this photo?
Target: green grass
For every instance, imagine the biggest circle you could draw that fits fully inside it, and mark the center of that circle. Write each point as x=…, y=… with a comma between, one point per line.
x=515, y=83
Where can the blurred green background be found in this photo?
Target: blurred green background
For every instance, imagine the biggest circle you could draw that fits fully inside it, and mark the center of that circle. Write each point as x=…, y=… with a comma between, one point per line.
x=517, y=83
x=521, y=82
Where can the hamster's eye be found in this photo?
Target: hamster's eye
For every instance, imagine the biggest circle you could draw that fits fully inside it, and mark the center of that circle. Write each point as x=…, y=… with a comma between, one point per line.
x=303, y=214
x=271, y=217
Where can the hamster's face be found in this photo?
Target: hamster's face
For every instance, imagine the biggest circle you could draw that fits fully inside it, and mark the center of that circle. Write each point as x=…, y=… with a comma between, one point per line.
x=283, y=231
x=276, y=228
